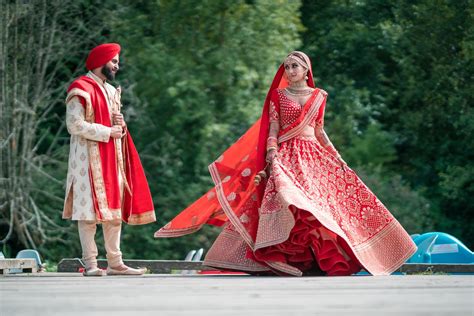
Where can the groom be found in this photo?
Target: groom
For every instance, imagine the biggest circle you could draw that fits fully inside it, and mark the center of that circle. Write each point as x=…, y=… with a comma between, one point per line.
x=106, y=183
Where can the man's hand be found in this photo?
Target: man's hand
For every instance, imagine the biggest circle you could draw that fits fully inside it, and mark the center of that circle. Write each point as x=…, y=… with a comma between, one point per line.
x=117, y=118
x=116, y=131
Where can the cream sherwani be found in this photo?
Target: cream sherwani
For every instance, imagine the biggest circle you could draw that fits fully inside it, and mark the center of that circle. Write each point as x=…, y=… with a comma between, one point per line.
x=78, y=203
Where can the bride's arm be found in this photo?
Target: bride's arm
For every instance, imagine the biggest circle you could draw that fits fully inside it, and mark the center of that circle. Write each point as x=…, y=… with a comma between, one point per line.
x=274, y=129
x=323, y=139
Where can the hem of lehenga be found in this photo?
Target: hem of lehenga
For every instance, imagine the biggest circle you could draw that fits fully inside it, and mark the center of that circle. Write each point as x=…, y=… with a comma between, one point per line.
x=285, y=267
x=227, y=208
x=400, y=262
x=237, y=267
x=285, y=211
x=392, y=228
x=169, y=233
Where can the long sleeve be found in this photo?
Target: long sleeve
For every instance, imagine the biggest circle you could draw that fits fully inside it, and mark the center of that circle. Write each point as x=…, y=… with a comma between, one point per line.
x=77, y=125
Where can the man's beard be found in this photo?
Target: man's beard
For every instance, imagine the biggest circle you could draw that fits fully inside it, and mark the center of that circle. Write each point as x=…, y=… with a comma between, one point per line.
x=108, y=73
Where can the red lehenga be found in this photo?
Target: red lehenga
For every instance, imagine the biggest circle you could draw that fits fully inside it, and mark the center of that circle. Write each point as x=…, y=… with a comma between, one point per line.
x=309, y=213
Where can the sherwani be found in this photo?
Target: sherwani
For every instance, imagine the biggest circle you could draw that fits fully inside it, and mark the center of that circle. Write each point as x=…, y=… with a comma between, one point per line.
x=78, y=203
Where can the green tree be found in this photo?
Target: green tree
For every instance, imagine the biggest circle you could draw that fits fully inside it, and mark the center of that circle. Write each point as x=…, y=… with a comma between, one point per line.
x=42, y=44
x=399, y=81
x=432, y=112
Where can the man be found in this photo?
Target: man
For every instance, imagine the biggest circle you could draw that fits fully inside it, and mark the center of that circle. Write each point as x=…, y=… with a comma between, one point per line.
x=106, y=183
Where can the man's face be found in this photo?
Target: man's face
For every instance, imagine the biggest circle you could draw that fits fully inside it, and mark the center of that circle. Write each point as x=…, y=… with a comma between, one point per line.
x=109, y=70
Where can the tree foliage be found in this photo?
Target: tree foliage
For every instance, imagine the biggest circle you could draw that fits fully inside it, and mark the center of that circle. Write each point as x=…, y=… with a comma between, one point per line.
x=35, y=66
x=399, y=76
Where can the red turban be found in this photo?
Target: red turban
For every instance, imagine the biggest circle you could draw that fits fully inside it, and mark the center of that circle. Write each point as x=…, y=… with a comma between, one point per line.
x=102, y=54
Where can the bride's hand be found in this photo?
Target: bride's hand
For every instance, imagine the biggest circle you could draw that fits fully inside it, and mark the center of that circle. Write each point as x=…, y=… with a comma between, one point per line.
x=271, y=154
x=342, y=163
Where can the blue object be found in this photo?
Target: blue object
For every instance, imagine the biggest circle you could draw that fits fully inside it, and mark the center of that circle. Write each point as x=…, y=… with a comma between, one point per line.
x=436, y=247
x=28, y=254
x=190, y=255
x=198, y=255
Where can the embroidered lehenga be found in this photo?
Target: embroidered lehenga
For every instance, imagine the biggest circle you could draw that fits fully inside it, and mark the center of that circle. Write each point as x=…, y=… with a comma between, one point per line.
x=309, y=214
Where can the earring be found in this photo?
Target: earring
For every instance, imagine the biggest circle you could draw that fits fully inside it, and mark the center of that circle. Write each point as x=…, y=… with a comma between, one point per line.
x=306, y=78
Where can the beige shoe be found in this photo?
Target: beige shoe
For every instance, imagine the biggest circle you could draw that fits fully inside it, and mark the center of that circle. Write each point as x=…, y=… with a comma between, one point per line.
x=124, y=270
x=94, y=272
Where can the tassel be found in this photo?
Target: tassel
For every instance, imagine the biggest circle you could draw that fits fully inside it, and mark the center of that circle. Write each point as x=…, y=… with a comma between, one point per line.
x=260, y=176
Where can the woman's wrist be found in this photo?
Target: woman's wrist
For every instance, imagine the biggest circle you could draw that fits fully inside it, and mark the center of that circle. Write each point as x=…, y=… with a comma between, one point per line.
x=272, y=143
x=332, y=150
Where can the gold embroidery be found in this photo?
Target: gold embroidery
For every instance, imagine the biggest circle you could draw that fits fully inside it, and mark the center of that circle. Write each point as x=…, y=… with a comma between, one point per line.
x=143, y=218
x=307, y=119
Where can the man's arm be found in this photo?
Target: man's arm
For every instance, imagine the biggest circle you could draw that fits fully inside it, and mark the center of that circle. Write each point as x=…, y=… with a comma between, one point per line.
x=77, y=125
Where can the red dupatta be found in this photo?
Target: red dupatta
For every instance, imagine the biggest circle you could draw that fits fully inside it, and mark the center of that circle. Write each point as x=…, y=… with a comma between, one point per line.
x=137, y=206
x=235, y=192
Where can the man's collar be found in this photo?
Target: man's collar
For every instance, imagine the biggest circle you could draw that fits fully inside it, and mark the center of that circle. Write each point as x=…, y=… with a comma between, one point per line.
x=96, y=78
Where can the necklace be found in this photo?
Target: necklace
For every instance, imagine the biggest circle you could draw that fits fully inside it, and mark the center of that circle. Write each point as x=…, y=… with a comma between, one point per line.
x=299, y=92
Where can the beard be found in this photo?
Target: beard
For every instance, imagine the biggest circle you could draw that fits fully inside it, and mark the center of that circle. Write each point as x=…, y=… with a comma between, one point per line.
x=108, y=73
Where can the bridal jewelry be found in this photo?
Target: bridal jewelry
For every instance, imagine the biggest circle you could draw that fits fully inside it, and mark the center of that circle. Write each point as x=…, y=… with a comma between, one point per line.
x=299, y=92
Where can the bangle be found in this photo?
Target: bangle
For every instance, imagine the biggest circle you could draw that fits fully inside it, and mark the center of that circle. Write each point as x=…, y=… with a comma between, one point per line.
x=271, y=148
x=330, y=148
x=272, y=142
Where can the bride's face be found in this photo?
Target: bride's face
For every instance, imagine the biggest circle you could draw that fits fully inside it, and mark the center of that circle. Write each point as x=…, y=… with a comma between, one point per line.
x=294, y=71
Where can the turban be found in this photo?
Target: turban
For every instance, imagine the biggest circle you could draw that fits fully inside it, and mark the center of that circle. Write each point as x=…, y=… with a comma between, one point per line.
x=102, y=54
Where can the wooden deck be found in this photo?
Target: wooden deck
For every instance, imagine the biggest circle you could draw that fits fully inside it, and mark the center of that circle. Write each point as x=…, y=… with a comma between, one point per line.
x=154, y=294
x=166, y=266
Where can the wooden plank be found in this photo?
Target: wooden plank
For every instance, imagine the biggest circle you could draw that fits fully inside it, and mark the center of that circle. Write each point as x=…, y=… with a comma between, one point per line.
x=154, y=266
x=165, y=266
x=26, y=265
x=412, y=268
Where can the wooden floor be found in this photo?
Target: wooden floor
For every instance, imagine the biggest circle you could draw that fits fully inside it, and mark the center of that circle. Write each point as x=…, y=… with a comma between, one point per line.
x=72, y=294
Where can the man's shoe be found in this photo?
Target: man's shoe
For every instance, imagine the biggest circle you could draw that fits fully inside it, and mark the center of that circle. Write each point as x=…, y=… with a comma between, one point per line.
x=124, y=270
x=94, y=272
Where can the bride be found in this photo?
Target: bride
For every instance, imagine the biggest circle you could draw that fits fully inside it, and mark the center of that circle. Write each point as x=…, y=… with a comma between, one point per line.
x=287, y=201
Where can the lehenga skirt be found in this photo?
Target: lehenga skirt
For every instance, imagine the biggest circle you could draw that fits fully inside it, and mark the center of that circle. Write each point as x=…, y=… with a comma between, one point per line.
x=315, y=215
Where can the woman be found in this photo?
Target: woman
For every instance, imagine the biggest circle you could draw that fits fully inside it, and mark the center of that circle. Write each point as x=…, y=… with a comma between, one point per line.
x=306, y=210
